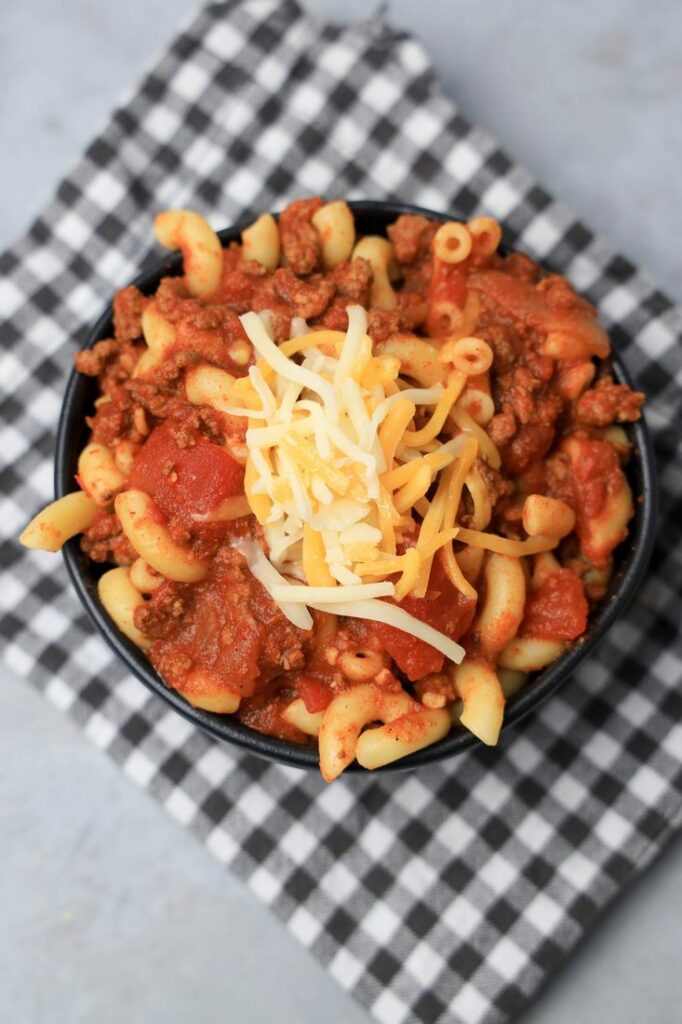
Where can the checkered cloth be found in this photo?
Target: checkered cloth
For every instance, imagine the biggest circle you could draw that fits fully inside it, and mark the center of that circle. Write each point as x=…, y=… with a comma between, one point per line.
x=451, y=893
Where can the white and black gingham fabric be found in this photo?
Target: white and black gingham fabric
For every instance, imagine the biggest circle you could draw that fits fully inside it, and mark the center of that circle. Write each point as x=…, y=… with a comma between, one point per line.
x=451, y=893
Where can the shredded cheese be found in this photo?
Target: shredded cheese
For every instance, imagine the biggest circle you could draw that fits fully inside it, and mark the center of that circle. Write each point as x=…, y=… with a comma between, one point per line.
x=392, y=615
x=336, y=469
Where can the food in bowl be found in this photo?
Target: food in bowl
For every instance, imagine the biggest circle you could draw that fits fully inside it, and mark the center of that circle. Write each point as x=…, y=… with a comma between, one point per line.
x=356, y=490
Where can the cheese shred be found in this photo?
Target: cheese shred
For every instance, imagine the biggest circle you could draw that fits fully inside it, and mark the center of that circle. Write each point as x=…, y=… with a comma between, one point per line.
x=337, y=468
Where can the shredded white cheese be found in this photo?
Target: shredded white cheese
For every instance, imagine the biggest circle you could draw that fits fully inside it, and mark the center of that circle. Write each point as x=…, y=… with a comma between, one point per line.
x=314, y=472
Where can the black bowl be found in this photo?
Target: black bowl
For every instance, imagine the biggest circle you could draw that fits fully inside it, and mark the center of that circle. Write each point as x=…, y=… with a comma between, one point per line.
x=631, y=558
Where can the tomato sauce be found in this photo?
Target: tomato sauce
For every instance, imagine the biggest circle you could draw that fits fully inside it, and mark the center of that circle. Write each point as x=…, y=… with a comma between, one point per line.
x=189, y=480
x=315, y=694
x=228, y=628
x=596, y=472
x=442, y=607
x=558, y=609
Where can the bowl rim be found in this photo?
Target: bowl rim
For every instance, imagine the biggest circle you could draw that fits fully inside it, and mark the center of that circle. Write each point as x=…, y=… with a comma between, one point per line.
x=625, y=583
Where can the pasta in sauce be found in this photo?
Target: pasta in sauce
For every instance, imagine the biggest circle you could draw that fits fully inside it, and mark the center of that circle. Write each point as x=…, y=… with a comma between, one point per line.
x=354, y=489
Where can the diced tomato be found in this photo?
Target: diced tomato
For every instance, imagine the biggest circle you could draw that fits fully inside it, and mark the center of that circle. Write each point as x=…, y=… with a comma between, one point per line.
x=594, y=473
x=315, y=694
x=444, y=608
x=557, y=610
x=185, y=482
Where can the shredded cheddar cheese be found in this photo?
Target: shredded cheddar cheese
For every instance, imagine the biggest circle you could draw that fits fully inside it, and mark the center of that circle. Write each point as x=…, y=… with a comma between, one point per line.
x=336, y=469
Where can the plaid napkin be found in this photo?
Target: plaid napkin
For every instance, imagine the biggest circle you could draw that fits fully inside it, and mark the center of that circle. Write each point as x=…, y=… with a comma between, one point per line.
x=451, y=893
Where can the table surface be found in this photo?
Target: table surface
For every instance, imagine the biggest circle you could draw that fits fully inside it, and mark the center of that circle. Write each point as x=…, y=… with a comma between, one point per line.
x=110, y=911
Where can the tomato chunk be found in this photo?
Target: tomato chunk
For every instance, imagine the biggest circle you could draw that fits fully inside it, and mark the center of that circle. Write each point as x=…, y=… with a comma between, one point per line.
x=444, y=608
x=315, y=694
x=595, y=473
x=185, y=482
x=557, y=610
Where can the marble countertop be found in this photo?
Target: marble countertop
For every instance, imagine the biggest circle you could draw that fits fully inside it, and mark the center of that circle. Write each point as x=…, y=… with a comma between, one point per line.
x=110, y=911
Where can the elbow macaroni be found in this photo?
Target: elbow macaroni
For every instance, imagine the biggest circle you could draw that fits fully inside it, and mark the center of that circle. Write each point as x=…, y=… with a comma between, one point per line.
x=379, y=254
x=201, y=249
x=452, y=243
x=99, y=475
x=260, y=241
x=547, y=517
x=401, y=737
x=60, y=521
x=504, y=603
x=144, y=578
x=209, y=693
x=483, y=698
x=418, y=358
x=297, y=714
x=336, y=227
x=121, y=600
x=437, y=377
x=142, y=525
x=159, y=335
x=412, y=728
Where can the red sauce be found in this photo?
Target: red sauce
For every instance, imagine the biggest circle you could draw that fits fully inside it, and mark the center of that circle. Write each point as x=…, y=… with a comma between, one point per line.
x=595, y=473
x=189, y=482
x=264, y=712
x=448, y=285
x=557, y=610
x=228, y=628
x=314, y=693
x=444, y=608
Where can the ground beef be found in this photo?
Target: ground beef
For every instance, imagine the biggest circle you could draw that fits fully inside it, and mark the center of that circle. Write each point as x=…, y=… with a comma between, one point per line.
x=150, y=397
x=608, y=402
x=161, y=614
x=170, y=374
x=503, y=340
x=104, y=541
x=411, y=236
x=226, y=626
x=252, y=268
x=172, y=299
x=412, y=308
x=437, y=685
x=498, y=485
x=209, y=334
x=92, y=361
x=517, y=390
x=307, y=298
x=113, y=420
x=353, y=280
x=527, y=446
x=300, y=240
x=524, y=428
x=502, y=426
x=382, y=323
x=129, y=305
x=111, y=361
x=558, y=476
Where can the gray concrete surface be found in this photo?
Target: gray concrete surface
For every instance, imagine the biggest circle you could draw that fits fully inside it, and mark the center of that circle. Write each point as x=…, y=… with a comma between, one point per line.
x=110, y=912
